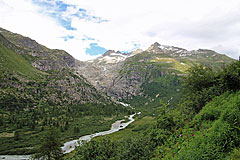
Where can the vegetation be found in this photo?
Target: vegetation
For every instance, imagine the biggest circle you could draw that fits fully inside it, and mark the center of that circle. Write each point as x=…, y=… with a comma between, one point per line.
x=210, y=131
x=33, y=101
x=50, y=147
x=189, y=110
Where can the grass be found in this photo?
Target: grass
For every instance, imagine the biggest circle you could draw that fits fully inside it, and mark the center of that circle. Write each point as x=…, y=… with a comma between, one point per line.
x=173, y=62
x=15, y=63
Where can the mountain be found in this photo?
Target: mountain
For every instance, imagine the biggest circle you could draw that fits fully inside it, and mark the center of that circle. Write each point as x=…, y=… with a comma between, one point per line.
x=40, y=56
x=40, y=88
x=27, y=69
x=102, y=72
x=125, y=76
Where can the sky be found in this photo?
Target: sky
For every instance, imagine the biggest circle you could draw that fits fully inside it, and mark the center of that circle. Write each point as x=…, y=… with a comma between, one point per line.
x=88, y=28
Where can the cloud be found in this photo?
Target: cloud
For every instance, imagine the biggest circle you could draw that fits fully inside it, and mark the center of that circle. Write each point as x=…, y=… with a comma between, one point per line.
x=75, y=25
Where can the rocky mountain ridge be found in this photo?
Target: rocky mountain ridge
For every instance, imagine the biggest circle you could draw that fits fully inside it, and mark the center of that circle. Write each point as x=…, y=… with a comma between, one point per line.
x=119, y=75
x=38, y=55
x=122, y=75
x=30, y=70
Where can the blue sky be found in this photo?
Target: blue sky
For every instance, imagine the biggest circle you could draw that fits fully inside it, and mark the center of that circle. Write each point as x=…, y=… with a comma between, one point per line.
x=95, y=49
x=87, y=28
x=56, y=10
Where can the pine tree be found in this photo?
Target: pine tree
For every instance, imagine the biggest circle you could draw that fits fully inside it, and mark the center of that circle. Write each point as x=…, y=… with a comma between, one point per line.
x=50, y=148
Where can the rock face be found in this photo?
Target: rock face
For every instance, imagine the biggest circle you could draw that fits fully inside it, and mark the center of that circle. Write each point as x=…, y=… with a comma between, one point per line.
x=122, y=75
x=40, y=56
x=117, y=74
x=56, y=60
x=23, y=66
x=103, y=71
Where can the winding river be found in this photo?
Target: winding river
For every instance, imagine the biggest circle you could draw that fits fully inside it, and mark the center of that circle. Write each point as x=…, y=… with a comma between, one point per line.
x=70, y=146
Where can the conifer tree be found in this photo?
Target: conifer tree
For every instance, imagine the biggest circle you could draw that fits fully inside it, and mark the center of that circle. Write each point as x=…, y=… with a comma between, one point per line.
x=50, y=148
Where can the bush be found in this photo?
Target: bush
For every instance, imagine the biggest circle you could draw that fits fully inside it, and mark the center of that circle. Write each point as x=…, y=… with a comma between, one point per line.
x=223, y=134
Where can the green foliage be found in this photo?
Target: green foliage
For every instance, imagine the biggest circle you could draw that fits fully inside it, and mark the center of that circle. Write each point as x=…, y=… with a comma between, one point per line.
x=16, y=135
x=99, y=150
x=73, y=122
x=235, y=155
x=166, y=88
x=230, y=77
x=50, y=147
x=130, y=148
x=212, y=133
x=199, y=77
x=219, y=136
x=33, y=101
x=203, y=84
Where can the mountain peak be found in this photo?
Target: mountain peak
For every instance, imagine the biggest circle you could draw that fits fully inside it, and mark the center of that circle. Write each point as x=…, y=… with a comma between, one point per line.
x=156, y=44
x=108, y=52
x=136, y=52
x=113, y=53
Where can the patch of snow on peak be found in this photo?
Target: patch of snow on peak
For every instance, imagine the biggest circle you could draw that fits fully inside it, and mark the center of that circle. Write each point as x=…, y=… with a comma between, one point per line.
x=118, y=54
x=169, y=48
x=90, y=61
x=161, y=47
x=113, y=59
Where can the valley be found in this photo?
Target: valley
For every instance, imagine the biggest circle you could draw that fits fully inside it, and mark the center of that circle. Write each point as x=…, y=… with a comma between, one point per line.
x=177, y=92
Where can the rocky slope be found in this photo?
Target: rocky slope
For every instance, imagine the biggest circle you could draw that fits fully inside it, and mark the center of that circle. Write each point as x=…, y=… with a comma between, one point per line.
x=123, y=75
x=40, y=56
x=103, y=71
x=32, y=71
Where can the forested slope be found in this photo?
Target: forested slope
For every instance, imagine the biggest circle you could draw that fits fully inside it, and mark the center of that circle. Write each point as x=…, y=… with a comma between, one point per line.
x=204, y=125
x=33, y=100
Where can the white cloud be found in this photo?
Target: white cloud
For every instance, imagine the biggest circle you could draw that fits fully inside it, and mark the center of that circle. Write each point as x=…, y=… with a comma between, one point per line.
x=190, y=24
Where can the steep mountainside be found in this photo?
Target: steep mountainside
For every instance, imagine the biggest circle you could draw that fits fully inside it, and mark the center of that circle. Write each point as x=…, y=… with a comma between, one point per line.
x=36, y=97
x=18, y=74
x=41, y=88
x=103, y=71
x=125, y=76
x=40, y=56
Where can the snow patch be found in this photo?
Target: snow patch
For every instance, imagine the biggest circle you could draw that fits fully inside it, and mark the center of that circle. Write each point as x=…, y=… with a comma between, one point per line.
x=118, y=54
x=115, y=59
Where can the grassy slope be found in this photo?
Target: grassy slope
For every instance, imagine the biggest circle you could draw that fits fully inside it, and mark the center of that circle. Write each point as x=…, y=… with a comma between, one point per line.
x=10, y=62
x=212, y=134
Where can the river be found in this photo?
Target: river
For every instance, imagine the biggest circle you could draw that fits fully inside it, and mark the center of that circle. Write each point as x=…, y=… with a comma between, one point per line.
x=70, y=146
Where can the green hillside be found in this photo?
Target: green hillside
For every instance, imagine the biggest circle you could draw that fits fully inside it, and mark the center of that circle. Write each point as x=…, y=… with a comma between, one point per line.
x=12, y=63
x=204, y=125
x=31, y=101
x=159, y=71
x=189, y=101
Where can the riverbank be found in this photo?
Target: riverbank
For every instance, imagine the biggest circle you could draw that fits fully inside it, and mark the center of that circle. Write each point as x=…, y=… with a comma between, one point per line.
x=116, y=126
x=70, y=146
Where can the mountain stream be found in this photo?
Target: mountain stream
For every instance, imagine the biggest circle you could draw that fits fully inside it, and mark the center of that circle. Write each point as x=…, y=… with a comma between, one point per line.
x=70, y=146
